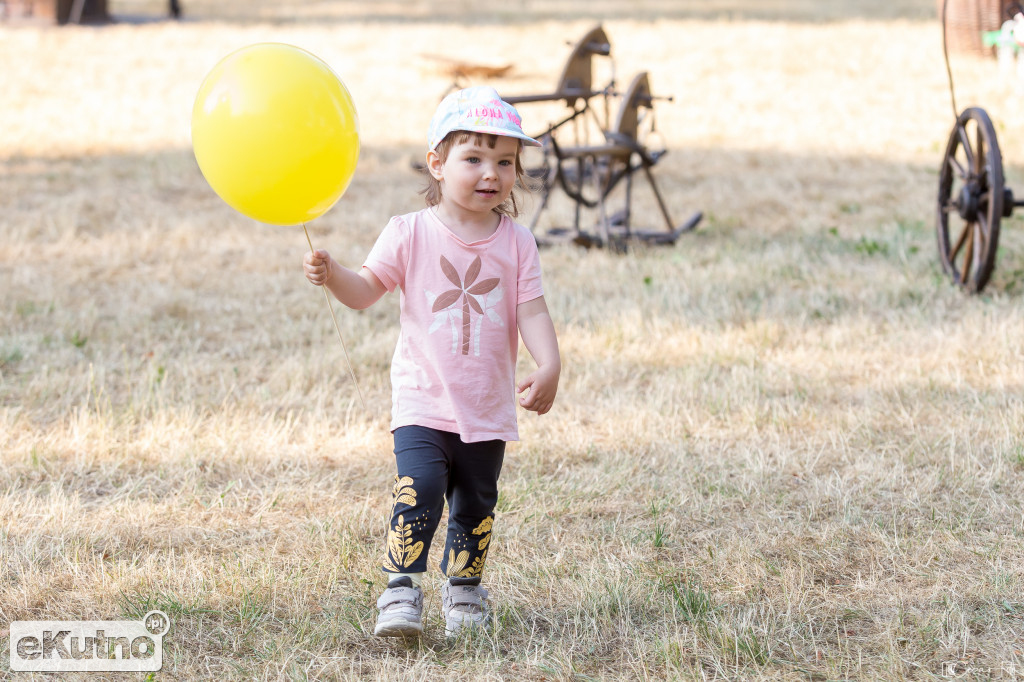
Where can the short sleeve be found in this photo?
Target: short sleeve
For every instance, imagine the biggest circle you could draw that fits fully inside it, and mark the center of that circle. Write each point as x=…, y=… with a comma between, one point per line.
x=530, y=286
x=389, y=257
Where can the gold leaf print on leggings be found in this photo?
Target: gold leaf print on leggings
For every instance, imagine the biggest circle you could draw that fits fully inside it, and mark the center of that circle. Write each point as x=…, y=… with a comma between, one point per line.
x=466, y=290
x=457, y=563
x=484, y=529
x=402, y=552
x=403, y=492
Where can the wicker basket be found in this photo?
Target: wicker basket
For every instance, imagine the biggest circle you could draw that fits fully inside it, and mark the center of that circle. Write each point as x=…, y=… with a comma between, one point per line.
x=53, y=11
x=966, y=20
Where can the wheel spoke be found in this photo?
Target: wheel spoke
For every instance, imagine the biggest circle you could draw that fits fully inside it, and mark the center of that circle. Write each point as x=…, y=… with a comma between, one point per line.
x=968, y=254
x=981, y=233
x=980, y=146
x=957, y=168
x=978, y=248
x=949, y=206
x=955, y=251
x=966, y=144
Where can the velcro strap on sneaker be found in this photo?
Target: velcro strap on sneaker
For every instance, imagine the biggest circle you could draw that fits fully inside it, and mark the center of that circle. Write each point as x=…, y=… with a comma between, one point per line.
x=466, y=595
x=398, y=595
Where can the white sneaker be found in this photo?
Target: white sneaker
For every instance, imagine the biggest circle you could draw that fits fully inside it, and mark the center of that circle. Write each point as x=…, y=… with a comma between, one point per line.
x=401, y=610
x=464, y=606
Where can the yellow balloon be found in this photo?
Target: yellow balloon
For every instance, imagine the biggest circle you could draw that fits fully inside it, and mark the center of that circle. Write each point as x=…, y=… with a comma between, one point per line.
x=275, y=133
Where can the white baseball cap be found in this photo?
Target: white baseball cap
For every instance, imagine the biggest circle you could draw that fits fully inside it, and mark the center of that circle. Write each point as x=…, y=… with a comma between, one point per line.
x=477, y=110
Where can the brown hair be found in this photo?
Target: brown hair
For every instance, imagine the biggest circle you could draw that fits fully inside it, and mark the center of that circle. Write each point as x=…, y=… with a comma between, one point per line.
x=432, y=192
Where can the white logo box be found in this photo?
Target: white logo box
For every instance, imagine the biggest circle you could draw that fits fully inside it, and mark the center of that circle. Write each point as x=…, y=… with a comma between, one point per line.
x=89, y=645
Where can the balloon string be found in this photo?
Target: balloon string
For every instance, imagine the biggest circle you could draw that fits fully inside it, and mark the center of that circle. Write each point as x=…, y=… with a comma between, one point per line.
x=337, y=327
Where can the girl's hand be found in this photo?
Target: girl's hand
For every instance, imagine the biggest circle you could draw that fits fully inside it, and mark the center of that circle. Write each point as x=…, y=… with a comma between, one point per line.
x=317, y=265
x=539, y=336
x=543, y=384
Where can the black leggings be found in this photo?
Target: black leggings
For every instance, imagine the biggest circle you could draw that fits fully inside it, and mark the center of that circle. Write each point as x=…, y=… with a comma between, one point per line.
x=434, y=466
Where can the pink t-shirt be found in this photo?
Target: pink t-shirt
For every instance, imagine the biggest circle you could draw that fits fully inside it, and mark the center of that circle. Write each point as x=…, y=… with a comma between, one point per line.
x=454, y=366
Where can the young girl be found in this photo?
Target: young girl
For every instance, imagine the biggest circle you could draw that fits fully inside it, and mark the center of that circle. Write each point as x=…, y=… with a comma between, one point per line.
x=470, y=284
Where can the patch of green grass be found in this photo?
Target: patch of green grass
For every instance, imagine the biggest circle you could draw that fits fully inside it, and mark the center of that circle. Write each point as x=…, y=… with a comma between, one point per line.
x=747, y=646
x=658, y=535
x=1016, y=456
x=78, y=340
x=11, y=357
x=871, y=247
x=138, y=604
x=29, y=308
x=695, y=604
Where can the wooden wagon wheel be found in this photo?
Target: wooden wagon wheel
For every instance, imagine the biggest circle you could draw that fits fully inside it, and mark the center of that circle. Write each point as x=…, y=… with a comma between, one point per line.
x=972, y=201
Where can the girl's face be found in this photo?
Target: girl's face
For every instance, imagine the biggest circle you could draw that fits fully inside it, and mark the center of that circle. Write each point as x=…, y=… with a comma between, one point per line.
x=475, y=178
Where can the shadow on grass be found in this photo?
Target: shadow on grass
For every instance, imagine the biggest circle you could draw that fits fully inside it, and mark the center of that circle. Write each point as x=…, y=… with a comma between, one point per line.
x=878, y=215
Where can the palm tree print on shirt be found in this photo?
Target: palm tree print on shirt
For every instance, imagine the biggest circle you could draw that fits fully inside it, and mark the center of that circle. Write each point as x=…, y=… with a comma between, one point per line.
x=466, y=290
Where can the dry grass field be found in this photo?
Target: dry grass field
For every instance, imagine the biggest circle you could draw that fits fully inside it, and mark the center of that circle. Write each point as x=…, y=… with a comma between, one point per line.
x=786, y=448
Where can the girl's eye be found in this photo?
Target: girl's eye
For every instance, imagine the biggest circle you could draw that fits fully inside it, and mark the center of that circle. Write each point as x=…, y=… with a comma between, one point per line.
x=473, y=159
x=505, y=162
